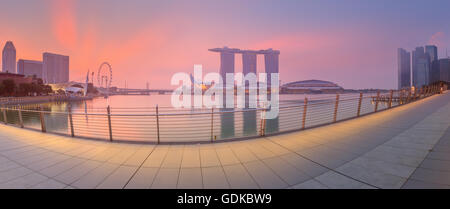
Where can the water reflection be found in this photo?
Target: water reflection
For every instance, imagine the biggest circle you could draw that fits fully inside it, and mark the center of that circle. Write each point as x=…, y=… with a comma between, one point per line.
x=227, y=123
x=174, y=128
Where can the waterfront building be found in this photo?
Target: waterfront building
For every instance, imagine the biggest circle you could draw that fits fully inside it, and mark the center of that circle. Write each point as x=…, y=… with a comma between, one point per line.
x=444, y=70
x=431, y=50
x=422, y=72
x=404, y=68
x=249, y=64
x=420, y=67
x=9, y=58
x=29, y=68
x=435, y=72
x=311, y=86
x=55, y=68
x=17, y=78
x=271, y=60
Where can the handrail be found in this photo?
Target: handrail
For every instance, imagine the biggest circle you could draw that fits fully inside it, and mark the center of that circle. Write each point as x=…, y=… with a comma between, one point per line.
x=163, y=124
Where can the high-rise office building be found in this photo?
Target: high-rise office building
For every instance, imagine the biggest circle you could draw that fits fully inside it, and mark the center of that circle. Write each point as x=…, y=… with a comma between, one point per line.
x=29, y=68
x=422, y=75
x=9, y=58
x=431, y=50
x=435, y=71
x=420, y=67
x=404, y=68
x=444, y=69
x=55, y=68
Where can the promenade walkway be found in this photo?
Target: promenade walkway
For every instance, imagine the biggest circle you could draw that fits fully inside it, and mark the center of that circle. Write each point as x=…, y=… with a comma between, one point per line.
x=404, y=147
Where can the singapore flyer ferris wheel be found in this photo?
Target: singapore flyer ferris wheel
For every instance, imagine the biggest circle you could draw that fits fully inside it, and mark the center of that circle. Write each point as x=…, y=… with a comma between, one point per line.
x=104, y=75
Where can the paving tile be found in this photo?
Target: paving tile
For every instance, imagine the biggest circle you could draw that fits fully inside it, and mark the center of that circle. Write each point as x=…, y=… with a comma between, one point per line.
x=285, y=171
x=371, y=177
x=438, y=165
x=226, y=156
x=24, y=182
x=121, y=156
x=384, y=167
x=60, y=167
x=310, y=184
x=139, y=156
x=238, y=177
x=416, y=184
x=432, y=176
x=309, y=168
x=14, y=173
x=243, y=154
x=118, y=179
x=93, y=178
x=156, y=157
x=334, y=180
x=73, y=174
x=214, y=178
x=209, y=158
x=191, y=158
x=142, y=179
x=166, y=178
x=49, y=184
x=190, y=178
x=264, y=176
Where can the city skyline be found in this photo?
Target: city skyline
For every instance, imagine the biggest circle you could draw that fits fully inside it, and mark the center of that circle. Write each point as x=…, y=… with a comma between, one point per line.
x=319, y=40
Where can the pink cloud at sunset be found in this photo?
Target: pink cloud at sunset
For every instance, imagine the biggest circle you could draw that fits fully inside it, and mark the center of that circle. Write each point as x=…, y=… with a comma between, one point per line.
x=64, y=22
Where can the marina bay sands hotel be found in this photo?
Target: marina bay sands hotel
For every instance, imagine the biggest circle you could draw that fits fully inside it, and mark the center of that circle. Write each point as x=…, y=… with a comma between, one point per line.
x=248, y=61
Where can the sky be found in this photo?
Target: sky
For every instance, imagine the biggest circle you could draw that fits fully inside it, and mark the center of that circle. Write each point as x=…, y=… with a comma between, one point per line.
x=350, y=42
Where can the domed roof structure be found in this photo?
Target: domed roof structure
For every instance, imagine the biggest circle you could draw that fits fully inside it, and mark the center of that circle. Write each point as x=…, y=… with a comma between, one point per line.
x=312, y=85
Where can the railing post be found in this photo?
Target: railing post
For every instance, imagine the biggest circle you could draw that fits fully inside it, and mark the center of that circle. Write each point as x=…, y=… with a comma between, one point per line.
x=5, y=119
x=359, y=104
x=377, y=101
x=336, y=108
x=108, y=110
x=212, y=124
x=72, y=133
x=41, y=115
x=19, y=111
x=409, y=96
x=263, y=122
x=305, y=108
x=415, y=95
x=157, y=123
x=402, y=96
x=390, y=98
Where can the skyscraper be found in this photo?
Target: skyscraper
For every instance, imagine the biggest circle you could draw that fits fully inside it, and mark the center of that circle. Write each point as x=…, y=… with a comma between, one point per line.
x=432, y=51
x=271, y=60
x=404, y=68
x=9, y=58
x=29, y=68
x=55, y=68
x=420, y=67
x=444, y=68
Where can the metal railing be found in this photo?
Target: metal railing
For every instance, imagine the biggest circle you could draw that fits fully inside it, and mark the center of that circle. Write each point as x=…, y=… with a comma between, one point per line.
x=168, y=125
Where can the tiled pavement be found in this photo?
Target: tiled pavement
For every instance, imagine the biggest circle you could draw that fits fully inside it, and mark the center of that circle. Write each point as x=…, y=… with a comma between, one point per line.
x=405, y=147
